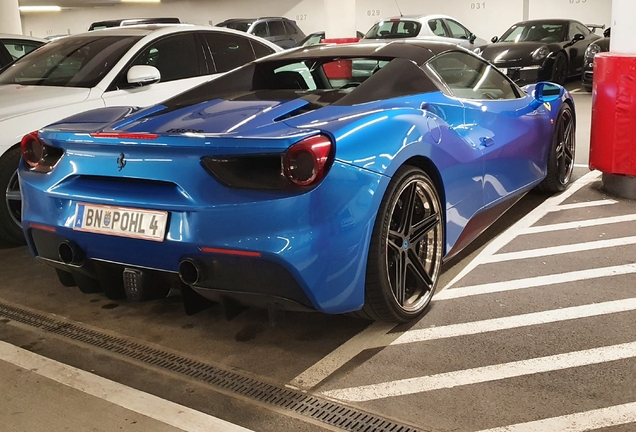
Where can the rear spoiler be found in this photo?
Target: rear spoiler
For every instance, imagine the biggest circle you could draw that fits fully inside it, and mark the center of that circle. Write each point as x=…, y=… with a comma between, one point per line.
x=593, y=27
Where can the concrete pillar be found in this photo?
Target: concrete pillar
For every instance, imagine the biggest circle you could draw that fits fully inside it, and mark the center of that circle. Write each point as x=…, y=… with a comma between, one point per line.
x=612, y=145
x=10, y=17
x=623, y=24
x=340, y=19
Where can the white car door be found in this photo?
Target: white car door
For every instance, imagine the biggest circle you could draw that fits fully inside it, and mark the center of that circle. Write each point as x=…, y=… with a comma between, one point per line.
x=178, y=59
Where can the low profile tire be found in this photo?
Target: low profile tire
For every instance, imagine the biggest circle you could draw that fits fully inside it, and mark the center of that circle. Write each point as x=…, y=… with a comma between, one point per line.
x=561, y=156
x=587, y=88
x=559, y=69
x=405, y=253
x=11, y=203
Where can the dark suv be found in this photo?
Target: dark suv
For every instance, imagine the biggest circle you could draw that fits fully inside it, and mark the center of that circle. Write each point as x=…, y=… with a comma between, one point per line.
x=281, y=31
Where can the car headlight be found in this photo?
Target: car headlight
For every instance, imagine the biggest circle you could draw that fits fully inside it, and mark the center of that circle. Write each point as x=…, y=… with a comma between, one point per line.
x=540, y=53
x=478, y=51
x=592, y=50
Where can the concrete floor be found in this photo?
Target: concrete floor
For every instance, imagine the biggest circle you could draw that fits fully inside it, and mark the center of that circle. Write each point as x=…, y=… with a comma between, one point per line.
x=407, y=372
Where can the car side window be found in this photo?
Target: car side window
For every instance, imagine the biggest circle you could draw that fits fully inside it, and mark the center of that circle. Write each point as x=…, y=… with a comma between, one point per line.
x=580, y=28
x=260, y=30
x=437, y=27
x=276, y=28
x=290, y=28
x=457, y=30
x=261, y=50
x=469, y=77
x=174, y=56
x=229, y=51
x=18, y=49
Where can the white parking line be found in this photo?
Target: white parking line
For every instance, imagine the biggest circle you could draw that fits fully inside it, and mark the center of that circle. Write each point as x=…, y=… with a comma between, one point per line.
x=586, y=204
x=578, y=422
x=511, y=322
x=340, y=356
x=535, y=281
x=485, y=374
x=578, y=224
x=146, y=404
x=549, y=205
x=558, y=250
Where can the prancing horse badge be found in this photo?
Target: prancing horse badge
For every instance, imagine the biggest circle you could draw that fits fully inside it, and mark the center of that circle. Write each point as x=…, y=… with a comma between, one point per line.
x=121, y=161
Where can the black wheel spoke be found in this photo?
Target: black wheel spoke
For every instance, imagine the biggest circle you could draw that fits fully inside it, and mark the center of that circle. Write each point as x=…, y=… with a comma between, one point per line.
x=395, y=243
x=14, y=196
x=399, y=289
x=423, y=228
x=408, y=204
x=418, y=269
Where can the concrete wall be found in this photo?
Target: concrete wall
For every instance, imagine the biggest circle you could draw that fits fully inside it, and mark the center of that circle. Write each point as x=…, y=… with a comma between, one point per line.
x=486, y=18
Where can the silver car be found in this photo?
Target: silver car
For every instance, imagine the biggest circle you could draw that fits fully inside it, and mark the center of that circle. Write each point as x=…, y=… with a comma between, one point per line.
x=445, y=28
x=435, y=27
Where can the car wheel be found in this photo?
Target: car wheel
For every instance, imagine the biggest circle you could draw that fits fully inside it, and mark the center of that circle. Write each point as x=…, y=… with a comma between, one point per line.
x=561, y=156
x=587, y=88
x=560, y=69
x=11, y=205
x=405, y=253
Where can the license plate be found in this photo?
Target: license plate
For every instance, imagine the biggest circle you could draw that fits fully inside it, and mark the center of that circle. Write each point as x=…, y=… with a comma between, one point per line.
x=121, y=221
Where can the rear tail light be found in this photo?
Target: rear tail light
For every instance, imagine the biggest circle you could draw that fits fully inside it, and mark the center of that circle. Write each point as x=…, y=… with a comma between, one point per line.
x=39, y=156
x=307, y=162
x=302, y=166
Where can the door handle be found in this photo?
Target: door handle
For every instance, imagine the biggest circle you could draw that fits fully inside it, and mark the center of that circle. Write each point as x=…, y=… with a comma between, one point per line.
x=486, y=141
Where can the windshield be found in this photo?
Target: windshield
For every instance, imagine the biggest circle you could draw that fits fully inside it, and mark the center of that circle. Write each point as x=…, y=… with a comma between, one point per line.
x=236, y=25
x=393, y=29
x=70, y=62
x=543, y=32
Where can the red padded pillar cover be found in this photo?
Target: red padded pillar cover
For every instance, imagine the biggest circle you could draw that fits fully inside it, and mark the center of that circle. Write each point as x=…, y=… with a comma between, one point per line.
x=341, y=69
x=613, y=139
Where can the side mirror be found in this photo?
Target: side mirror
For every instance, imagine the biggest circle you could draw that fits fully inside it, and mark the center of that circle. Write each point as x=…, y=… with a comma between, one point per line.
x=472, y=37
x=578, y=37
x=142, y=75
x=545, y=92
x=494, y=39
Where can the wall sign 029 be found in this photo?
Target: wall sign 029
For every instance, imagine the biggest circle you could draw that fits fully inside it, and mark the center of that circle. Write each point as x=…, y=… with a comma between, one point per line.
x=373, y=12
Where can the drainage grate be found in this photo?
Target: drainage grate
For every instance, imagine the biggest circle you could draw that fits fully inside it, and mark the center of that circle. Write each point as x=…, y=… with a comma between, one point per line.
x=331, y=413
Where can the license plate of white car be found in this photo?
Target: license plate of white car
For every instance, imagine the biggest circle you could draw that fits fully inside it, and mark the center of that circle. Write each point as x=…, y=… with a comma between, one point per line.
x=121, y=221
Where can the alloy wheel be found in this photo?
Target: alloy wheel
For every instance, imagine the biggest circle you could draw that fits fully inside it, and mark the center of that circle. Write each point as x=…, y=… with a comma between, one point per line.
x=414, y=244
x=565, y=147
x=13, y=200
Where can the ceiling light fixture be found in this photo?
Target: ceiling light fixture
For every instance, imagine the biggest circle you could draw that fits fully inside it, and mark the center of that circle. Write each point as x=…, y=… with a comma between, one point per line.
x=39, y=8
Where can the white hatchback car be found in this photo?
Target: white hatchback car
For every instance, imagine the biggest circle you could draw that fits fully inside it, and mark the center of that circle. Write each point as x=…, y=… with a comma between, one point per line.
x=132, y=66
x=446, y=28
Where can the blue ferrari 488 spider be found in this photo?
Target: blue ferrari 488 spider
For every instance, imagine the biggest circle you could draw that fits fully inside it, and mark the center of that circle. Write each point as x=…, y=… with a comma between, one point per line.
x=288, y=183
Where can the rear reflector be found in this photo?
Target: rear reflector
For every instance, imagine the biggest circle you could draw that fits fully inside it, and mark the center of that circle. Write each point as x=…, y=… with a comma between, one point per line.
x=41, y=227
x=230, y=252
x=118, y=135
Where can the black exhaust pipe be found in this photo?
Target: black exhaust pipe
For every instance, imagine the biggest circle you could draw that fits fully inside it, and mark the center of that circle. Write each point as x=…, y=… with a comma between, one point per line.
x=190, y=272
x=70, y=253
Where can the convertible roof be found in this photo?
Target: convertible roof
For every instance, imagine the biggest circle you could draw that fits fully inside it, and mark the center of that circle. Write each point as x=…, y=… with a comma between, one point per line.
x=419, y=51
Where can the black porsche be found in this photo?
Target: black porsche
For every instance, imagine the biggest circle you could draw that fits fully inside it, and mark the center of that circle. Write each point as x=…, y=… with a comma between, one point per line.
x=540, y=50
x=601, y=45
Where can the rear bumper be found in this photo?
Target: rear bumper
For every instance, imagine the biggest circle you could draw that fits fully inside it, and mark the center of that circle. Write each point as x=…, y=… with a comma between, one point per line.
x=311, y=248
x=253, y=281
